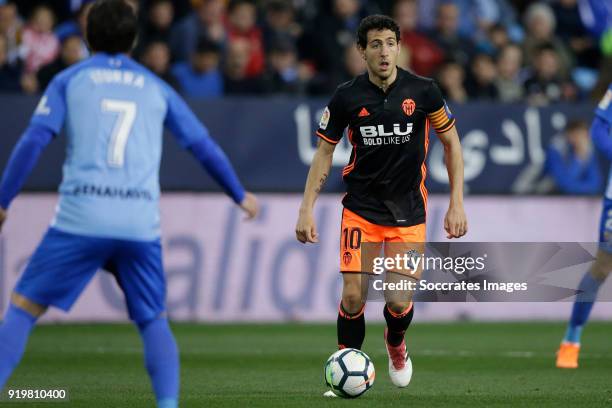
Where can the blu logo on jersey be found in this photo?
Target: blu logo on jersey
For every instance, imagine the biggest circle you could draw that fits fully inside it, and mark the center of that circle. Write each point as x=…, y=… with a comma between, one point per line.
x=374, y=131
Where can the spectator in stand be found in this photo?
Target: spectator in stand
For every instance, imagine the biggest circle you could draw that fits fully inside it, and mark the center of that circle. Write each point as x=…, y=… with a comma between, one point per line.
x=418, y=53
x=497, y=38
x=283, y=75
x=508, y=81
x=446, y=34
x=75, y=26
x=540, y=26
x=208, y=21
x=353, y=65
x=39, y=45
x=572, y=31
x=10, y=74
x=451, y=79
x=481, y=82
x=572, y=163
x=156, y=57
x=158, y=23
x=280, y=22
x=71, y=53
x=547, y=83
x=329, y=35
x=135, y=5
x=242, y=18
x=200, y=78
x=11, y=27
x=235, y=78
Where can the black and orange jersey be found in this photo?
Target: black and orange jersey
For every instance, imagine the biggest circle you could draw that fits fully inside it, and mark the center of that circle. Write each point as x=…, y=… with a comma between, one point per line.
x=389, y=131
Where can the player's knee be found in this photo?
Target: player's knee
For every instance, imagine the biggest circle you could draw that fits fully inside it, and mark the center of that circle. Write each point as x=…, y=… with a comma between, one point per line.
x=27, y=305
x=352, y=302
x=599, y=273
x=144, y=323
x=398, y=307
x=602, y=266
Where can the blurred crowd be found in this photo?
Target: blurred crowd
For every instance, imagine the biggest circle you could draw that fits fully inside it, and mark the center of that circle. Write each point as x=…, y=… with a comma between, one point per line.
x=503, y=50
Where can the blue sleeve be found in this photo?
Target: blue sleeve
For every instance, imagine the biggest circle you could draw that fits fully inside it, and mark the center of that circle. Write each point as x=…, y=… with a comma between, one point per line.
x=22, y=161
x=51, y=109
x=600, y=133
x=604, y=108
x=595, y=15
x=192, y=135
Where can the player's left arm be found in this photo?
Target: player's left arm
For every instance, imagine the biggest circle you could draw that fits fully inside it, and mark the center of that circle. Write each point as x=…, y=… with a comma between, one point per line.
x=455, y=222
x=194, y=136
x=443, y=122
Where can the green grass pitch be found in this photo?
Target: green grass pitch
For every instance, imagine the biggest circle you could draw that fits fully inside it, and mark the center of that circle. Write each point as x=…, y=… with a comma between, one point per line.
x=456, y=365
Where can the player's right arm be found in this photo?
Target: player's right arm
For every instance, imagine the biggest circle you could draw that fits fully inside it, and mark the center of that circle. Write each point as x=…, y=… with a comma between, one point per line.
x=331, y=129
x=193, y=136
x=47, y=121
x=602, y=124
x=305, y=229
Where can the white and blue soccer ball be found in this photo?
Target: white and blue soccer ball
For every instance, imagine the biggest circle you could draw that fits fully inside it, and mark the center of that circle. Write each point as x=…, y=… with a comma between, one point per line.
x=349, y=373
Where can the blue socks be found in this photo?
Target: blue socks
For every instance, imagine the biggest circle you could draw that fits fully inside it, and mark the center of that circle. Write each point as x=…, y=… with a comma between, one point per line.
x=14, y=333
x=582, y=307
x=161, y=361
x=161, y=353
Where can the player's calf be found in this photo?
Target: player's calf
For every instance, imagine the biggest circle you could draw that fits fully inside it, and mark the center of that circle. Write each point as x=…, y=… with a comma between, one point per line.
x=15, y=330
x=398, y=317
x=351, y=320
x=161, y=360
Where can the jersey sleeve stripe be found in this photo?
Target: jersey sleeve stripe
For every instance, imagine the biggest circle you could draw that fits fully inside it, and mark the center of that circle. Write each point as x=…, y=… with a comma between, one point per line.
x=422, y=187
x=439, y=118
x=327, y=139
x=437, y=114
x=448, y=126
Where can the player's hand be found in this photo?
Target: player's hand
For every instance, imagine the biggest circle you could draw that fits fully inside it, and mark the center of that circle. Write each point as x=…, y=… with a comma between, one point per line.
x=455, y=222
x=2, y=217
x=306, y=230
x=250, y=205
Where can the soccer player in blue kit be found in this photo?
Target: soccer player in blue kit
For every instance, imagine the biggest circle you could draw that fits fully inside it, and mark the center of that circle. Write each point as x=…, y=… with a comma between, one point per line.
x=113, y=111
x=567, y=356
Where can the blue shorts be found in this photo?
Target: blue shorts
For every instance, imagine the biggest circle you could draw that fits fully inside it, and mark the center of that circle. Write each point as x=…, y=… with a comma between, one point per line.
x=605, y=226
x=63, y=264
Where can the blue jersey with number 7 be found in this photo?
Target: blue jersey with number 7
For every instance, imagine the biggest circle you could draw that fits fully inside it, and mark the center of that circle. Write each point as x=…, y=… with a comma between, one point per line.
x=113, y=112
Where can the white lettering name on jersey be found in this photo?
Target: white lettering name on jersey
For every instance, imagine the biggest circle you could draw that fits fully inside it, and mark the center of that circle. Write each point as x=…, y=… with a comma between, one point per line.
x=116, y=76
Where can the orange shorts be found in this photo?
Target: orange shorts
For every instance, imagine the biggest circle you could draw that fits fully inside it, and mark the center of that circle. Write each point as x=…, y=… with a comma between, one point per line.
x=356, y=231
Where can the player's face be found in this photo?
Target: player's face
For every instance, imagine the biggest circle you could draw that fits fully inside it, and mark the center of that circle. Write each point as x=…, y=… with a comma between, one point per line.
x=381, y=53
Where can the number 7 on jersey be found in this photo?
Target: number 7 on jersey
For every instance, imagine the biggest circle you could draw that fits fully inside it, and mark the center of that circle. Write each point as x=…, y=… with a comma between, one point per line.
x=126, y=111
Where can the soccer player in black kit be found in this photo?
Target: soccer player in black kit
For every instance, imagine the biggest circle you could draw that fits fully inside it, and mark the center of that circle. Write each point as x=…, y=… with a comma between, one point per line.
x=387, y=111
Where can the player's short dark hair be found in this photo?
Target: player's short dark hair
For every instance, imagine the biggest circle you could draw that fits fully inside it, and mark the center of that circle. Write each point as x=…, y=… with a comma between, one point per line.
x=375, y=22
x=112, y=26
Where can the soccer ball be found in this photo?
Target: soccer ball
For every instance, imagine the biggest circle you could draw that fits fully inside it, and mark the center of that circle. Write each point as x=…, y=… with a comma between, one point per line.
x=349, y=373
